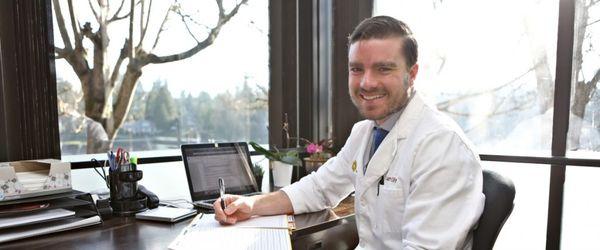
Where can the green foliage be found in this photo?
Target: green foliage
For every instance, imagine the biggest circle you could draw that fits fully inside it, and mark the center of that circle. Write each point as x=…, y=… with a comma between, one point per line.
x=161, y=108
x=257, y=170
x=289, y=157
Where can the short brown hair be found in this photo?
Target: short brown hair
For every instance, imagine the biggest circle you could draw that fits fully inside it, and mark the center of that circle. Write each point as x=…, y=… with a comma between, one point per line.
x=379, y=27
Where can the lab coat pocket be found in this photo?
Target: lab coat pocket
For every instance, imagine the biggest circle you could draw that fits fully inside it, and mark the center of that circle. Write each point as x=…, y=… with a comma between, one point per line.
x=390, y=208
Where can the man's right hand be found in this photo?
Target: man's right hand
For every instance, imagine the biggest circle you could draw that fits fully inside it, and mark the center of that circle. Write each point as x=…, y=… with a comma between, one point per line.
x=237, y=208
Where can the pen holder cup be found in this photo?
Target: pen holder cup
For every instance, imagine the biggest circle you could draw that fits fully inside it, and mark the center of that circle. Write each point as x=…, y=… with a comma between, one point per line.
x=124, y=197
x=123, y=185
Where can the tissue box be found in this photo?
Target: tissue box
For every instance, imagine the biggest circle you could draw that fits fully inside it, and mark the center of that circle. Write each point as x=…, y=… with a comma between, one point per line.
x=24, y=179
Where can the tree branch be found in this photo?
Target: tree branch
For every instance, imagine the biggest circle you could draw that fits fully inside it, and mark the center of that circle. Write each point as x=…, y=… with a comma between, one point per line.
x=144, y=27
x=117, y=68
x=593, y=22
x=61, y=25
x=595, y=79
x=116, y=17
x=131, y=16
x=94, y=11
x=221, y=9
x=223, y=19
x=60, y=52
x=87, y=32
x=445, y=104
x=75, y=26
x=183, y=17
x=162, y=27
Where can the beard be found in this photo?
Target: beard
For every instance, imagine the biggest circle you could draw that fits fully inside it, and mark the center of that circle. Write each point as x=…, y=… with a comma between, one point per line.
x=395, y=101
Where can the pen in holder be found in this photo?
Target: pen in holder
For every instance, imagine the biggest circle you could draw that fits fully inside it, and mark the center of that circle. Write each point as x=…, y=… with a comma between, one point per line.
x=124, y=197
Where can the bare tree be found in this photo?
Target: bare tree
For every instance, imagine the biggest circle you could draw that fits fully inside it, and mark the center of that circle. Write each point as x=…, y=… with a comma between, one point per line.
x=100, y=82
x=583, y=89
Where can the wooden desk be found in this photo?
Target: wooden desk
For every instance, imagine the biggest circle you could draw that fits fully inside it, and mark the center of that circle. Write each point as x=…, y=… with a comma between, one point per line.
x=328, y=229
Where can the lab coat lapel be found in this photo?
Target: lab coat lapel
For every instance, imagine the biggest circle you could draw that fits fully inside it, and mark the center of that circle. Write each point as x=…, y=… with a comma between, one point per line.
x=360, y=162
x=381, y=161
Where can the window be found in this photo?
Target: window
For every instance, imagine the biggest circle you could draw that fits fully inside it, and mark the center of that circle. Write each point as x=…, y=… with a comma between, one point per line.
x=495, y=77
x=584, y=121
x=492, y=74
x=176, y=86
x=580, y=223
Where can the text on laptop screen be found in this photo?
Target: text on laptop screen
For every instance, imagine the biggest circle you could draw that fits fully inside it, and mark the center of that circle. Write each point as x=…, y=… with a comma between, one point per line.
x=207, y=164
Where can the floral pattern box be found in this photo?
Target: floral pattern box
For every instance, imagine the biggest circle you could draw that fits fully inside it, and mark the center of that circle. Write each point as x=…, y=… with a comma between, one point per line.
x=24, y=179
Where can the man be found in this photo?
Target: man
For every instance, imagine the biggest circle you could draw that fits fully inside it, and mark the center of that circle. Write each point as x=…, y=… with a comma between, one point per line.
x=417, y=183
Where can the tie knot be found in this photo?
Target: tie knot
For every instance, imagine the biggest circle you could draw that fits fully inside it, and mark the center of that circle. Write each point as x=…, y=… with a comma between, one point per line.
x=378, y=136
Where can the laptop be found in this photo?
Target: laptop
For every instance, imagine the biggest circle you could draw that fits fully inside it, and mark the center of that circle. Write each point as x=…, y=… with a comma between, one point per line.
x=206, y=163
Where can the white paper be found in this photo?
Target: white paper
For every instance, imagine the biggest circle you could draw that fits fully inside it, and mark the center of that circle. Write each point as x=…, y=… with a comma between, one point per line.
x=274, y=221
x=34, y=217
x=20, y=234
x=234, y=238
x=265, y=232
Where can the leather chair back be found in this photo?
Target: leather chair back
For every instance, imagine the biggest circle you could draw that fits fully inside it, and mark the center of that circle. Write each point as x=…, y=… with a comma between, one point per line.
x=499, y=202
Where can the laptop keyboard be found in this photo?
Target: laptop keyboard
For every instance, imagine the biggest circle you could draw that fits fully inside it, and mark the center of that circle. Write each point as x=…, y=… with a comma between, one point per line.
x=208, y=204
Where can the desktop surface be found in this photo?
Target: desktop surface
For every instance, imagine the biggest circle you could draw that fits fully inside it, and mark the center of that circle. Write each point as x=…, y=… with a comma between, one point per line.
x=312, y=229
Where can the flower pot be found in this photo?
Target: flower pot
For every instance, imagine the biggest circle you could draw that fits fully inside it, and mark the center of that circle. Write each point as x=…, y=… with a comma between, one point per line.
x=282, y=173
x=312, y=164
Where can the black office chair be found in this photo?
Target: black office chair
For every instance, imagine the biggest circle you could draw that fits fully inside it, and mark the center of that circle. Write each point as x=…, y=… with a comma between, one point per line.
x=499, y=197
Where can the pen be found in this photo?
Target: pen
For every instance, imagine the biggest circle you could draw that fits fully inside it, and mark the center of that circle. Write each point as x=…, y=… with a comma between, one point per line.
x=222, y=192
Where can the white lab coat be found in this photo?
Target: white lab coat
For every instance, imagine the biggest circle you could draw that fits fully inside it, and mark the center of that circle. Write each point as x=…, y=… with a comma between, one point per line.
x=432, y=193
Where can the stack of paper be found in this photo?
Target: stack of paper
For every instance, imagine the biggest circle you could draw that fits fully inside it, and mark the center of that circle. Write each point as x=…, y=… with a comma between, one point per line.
x=264, y=232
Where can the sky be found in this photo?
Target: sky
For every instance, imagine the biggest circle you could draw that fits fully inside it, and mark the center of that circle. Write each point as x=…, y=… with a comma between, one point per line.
x=241, y=49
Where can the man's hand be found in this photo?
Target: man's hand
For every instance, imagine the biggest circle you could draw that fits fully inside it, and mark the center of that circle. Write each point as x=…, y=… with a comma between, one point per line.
x=237, y=208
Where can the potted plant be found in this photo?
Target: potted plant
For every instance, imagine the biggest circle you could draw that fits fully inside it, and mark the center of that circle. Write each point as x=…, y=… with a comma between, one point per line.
x=258, y=173
x=318, y=153
x=281, y=163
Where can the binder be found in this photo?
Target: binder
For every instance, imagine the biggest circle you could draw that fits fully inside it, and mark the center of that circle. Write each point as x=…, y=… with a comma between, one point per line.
x=41, y=215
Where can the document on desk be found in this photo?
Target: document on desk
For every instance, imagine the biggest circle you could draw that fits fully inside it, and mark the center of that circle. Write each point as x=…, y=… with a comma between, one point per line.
x=262, y=232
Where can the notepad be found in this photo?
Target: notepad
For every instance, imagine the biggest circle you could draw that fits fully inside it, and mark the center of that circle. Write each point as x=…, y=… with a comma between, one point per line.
x=166, y=214
x=263, y=232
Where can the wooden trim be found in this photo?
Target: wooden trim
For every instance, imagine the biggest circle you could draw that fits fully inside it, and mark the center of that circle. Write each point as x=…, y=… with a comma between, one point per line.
x=562, y=90
x=282, y=62
x=30, y=112
x=346, y=15
x=307, y=60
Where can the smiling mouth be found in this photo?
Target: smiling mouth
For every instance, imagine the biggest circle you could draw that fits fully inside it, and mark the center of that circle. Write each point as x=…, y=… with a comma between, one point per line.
x=371, y=97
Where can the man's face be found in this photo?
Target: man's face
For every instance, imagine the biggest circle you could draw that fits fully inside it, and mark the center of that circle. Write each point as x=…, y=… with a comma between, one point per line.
x=378, y=78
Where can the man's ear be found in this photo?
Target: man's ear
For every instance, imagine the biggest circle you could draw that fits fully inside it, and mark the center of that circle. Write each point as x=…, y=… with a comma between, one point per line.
x=413, y=71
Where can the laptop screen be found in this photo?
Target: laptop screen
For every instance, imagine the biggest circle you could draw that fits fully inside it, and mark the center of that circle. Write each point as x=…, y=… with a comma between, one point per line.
x=206, y=163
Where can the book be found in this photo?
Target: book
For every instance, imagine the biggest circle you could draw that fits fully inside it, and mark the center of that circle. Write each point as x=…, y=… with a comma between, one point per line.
x=259, y=232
